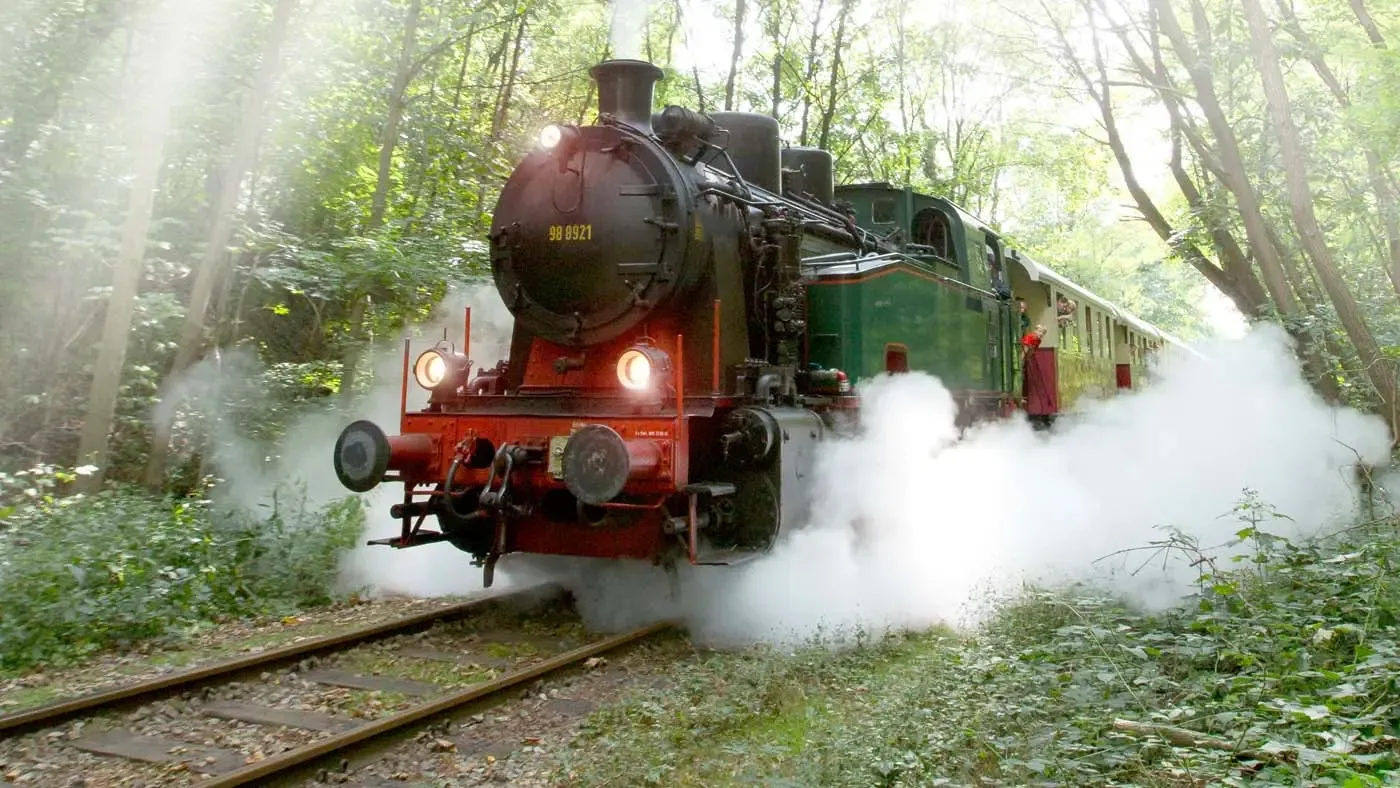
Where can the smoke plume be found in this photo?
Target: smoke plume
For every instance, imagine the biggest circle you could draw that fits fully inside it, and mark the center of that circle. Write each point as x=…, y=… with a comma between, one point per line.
x=913, y=527
x=434, y=570
x=628, y=25
x=205, y=399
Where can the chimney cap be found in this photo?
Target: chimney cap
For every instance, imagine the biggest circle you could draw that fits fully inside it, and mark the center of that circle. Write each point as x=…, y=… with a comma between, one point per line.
x=625, y=90
x=608, y=66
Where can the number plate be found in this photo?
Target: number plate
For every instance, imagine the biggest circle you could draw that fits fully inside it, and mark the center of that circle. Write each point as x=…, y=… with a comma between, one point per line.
x=556, y=455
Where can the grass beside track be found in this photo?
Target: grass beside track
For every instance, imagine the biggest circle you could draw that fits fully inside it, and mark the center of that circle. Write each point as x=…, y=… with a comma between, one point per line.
x=1280, y=671
x=82, y=574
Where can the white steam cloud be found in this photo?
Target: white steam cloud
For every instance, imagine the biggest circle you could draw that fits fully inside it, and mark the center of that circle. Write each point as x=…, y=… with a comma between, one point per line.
x=629, y=18
x=253, y=473
x=914, y=527
x=434, y=570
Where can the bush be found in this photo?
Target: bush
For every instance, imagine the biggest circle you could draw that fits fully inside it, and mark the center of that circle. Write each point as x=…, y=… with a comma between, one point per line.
x=1280, y=670
x=81, y=573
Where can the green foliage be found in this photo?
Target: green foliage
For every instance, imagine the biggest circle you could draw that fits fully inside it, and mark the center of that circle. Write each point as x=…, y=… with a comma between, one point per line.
x=1280, y=670
x=78, y=574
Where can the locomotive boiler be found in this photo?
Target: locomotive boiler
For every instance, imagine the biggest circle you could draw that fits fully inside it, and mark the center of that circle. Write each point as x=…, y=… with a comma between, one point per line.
x=655, y=403
x=692, y=305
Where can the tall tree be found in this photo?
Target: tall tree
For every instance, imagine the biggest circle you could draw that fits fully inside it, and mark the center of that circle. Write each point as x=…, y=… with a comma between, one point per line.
x=231, y=178
x=833, y=95
x=151, y=84
x=1377, y=173
x=1232, y=166
x=1378, y=368
x=736, y=55
x=388, y=141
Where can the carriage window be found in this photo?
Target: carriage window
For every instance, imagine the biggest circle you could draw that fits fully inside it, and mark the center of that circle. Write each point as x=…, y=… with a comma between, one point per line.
x=931, y=229
x=882, y=212
x=896, y=358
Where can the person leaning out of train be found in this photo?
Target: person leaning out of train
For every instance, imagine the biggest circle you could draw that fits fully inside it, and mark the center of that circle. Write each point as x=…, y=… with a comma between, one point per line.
x=1031, y=341
x=1025, y=315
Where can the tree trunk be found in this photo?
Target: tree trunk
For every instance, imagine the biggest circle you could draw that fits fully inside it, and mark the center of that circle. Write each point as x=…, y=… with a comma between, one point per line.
x=1363, y=16
x=739, y=9
x=776, y=92
x=772, y=12
x=389, y=136
x=829, y=114
x=1246, y=299
x=906, y=161
x=1231, y=160
x=455, y=113
x=498, y=125
x=1378, y=368
x=225, y=201
x=152, y=82
x=379, y=205
x=811, y=73
x=1376, y=171
x=1232, y=257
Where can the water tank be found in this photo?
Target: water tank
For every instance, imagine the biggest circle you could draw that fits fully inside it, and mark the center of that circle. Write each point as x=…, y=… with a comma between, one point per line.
x=810, y=170
x=753, y=144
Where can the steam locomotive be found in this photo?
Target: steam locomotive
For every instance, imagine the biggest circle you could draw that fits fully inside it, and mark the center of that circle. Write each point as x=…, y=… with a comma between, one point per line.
x=692, y=305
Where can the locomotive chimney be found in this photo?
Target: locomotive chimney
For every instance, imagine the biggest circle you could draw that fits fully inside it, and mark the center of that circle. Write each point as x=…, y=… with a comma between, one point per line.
x=625, y=90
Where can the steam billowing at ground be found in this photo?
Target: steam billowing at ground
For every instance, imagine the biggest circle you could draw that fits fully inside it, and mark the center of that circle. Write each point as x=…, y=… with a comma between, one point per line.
x=434, y=570
x=912, y=525
x=252, y=474
x=914, y=528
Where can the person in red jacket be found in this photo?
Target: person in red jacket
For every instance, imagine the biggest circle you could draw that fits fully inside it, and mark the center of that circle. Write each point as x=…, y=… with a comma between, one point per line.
x=1032, y=340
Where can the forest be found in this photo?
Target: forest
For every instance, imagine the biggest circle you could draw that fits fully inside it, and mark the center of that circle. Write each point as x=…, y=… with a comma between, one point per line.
x=295, y=179
x=215, y=215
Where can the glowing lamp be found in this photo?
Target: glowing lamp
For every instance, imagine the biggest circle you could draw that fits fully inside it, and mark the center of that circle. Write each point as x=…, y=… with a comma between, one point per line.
x=640, y=366
x=560, y=139
x=550, y=136
x=436, y=367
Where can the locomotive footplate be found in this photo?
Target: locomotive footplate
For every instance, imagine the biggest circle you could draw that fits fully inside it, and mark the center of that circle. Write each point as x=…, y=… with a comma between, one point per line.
x=415, y=539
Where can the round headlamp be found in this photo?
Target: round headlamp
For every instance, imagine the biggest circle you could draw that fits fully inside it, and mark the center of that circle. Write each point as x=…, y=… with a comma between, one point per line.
x=640, y=366
x=634, y=370
x=550, y=136
x=430, y=369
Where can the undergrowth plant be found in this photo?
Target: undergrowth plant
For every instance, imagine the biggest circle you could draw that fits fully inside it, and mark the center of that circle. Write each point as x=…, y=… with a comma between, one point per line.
x=81, y=573
x=1282, y=667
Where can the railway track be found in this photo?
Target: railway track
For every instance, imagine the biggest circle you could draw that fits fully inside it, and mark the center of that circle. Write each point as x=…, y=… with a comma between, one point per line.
x=307, y=708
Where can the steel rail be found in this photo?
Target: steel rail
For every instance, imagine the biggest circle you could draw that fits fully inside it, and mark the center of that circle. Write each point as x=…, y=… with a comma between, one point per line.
x=63, y=709
x=298, y=757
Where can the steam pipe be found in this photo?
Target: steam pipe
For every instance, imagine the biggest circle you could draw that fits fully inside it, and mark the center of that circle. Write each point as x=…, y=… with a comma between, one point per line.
x=766, y=383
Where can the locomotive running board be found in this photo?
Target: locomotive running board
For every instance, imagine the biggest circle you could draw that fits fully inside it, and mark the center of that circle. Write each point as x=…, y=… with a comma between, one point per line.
x=414, y=539
x=726, y=557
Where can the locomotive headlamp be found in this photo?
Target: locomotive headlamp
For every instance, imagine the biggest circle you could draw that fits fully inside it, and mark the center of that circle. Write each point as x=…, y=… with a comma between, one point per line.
x=559, y=137
x=640, y=366
x=435, y=366
x=550, y=136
